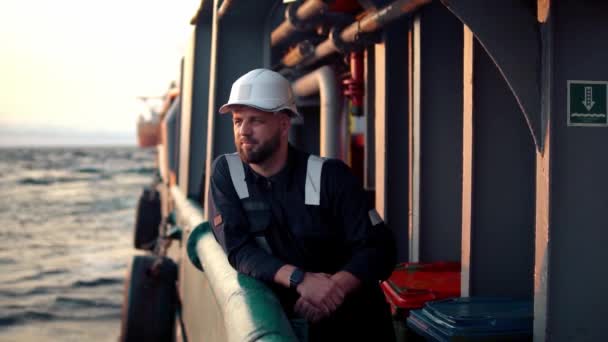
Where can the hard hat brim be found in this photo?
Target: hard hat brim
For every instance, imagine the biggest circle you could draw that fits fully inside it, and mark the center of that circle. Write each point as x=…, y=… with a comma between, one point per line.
x=266, y=107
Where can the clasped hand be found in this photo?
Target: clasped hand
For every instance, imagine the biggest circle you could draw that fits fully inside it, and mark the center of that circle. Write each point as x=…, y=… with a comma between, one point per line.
x=320, y=296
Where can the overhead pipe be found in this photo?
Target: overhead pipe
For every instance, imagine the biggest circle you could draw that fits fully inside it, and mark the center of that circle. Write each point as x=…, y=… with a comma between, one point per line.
x=368, y=24
x=223, y=8
x=324, y=82
x=297, y=53
x=296, y=17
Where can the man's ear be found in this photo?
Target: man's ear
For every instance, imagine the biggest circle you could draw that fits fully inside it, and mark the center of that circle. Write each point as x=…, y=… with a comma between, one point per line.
x=285, y=123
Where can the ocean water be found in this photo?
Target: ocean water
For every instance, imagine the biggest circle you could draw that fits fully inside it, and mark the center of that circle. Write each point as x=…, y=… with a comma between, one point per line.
x=66, y=236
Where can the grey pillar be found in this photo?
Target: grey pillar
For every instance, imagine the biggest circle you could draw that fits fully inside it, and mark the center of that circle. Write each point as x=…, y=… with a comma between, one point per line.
x=440, y=134
x=193, y=135
x=391, y=127
x=576, y=241
x=498, y=239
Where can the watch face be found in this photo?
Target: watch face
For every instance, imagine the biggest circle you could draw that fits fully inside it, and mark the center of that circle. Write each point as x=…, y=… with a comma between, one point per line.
x=296, y=278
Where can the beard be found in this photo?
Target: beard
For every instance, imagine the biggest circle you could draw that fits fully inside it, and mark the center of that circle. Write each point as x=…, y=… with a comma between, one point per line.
x=260, y=152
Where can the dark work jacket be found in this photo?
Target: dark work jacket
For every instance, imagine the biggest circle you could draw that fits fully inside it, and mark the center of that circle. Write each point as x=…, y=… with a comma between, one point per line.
x=337, y=235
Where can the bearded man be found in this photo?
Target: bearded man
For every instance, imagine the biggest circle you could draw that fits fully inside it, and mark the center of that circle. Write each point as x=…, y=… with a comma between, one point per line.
x=298, y=222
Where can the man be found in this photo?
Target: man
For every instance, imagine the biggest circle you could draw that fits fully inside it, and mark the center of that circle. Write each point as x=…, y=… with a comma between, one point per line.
x=298, y=222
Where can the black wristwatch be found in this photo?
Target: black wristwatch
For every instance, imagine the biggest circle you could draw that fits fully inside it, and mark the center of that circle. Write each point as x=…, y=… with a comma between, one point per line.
x=296, y=277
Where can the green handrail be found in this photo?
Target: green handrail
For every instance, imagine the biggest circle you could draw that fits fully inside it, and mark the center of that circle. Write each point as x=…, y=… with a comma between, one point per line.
x=251, y=311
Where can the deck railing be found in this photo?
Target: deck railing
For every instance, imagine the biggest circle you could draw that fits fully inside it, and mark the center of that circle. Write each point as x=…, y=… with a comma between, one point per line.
x=249, y=309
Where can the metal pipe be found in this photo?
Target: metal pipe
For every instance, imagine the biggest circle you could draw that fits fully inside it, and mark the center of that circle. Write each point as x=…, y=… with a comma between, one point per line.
x=305, y=11
x=368, y=24
x=300, y=52
x=223, y=8
x=324, y=82
x=353, y=86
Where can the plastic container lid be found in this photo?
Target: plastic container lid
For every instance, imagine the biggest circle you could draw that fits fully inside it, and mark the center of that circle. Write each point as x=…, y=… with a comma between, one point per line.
x=474, y=317
x=411, y=285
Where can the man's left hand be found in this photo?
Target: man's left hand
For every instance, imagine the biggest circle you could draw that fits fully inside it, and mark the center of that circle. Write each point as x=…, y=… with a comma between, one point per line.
x=307, y=310
x=345, y=280
x=320, y=290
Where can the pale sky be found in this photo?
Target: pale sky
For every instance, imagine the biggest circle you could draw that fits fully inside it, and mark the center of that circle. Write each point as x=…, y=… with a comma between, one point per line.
x=78, y=65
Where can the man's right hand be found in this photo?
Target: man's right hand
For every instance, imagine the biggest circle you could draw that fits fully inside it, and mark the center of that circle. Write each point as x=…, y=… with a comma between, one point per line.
x=321, y=291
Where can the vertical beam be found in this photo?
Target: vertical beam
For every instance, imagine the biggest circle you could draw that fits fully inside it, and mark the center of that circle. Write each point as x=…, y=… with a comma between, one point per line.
x=392, y=150
x=211, y=112
x=414, y=228
x=543, y=172
x=184, y=134
x=187, y=92
x=380, y=127
x=194, y=115
x=369, y=162
x=179, y=121
x=440, y=134
x=542, y=10
x=467, y=162
x=198, y=123
x=410, y=132
x=541, y=255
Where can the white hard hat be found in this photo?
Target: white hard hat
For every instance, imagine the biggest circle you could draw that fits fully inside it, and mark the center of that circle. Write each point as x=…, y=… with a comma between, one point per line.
x=262, y=89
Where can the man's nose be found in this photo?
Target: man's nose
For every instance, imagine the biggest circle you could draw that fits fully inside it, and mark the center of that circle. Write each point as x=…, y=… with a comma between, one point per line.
x=245, y=128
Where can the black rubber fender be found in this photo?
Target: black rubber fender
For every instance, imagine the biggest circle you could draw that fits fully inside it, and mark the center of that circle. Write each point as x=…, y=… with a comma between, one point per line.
x=147, y=219
x=150, y=301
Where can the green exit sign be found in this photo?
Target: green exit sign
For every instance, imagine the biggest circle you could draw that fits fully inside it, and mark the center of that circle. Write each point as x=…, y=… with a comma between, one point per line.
x=587, y=103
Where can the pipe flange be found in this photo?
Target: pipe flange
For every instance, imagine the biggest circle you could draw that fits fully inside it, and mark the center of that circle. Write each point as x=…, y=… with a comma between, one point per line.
x=361, y=39
x=364, y=39
x=291, y=14
x=342, y=46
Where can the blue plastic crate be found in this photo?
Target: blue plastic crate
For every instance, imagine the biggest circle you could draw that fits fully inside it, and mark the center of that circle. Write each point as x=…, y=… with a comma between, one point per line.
x=474, y=319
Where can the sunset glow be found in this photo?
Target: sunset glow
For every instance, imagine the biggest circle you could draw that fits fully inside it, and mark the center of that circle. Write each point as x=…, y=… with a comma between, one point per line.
x=77, y=66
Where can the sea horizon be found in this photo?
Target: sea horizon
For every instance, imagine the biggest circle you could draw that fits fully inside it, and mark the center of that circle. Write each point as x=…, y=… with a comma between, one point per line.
x=58, y=136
